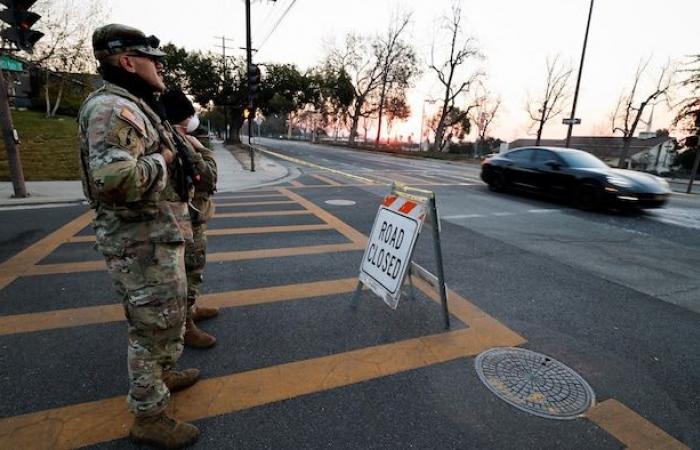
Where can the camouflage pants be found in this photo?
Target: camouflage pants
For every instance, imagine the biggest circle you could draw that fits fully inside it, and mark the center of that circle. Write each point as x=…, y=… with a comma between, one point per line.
x=150, y=278
x=195, y=260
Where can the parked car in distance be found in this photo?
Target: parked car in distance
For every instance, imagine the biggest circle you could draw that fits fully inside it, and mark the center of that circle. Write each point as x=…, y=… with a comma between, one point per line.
x=573, y=174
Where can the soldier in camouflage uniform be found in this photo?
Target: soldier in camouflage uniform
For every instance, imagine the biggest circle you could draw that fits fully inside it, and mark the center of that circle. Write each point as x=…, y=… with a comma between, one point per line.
x=181, y=114
x=126, y=161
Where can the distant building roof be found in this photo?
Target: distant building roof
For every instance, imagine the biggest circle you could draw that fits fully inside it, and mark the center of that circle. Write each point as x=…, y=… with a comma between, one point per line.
x=602, y=147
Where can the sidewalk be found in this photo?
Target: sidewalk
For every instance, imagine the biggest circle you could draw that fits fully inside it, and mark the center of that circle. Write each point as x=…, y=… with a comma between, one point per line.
x=232, y=177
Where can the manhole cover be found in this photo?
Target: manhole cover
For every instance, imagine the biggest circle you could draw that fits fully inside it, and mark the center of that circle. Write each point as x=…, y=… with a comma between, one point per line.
x=340, y=202
x=534, y=383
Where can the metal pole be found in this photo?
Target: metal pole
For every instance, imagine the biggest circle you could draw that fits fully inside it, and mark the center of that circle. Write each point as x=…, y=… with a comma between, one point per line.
x=223, y=49
x=578, y=80
x=694, y=171
x=420, y=137
x=8, y=135
x=438, y=261
x=249, y=59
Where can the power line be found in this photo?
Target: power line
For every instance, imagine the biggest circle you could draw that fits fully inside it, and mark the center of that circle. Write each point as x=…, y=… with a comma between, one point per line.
x=284, y=14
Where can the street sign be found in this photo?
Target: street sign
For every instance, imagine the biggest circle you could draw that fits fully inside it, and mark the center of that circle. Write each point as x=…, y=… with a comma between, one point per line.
x=390, y=247
x=576, y=121
x=9, y=64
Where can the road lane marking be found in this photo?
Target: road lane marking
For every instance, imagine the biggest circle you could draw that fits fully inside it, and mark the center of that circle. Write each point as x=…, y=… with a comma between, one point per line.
x=104, y=420
x=242, y=197
x=325, y=179
x=295, y=183
x=294, y=212
x=628, y=427
x=271, y=202
x=545, y=210
x=22, y=261
x=237, y=231
x=91, y=315
x=346, y=230
x=463, y=216
x=99, y=265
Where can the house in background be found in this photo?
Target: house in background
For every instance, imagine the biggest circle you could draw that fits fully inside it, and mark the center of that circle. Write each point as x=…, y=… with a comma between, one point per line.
x=648, y=152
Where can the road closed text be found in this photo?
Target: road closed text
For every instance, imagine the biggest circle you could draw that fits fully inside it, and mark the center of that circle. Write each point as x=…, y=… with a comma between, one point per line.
x=382, y=251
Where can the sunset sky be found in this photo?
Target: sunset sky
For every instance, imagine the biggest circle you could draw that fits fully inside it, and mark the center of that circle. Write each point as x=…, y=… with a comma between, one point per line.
x=515, y=36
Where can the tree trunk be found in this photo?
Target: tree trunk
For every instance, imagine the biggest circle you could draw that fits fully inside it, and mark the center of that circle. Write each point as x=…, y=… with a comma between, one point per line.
x=46, y=95
x=236, y=124
x=627, y=141
x=353, y=128
x=381, y=112
x=289, y=126
x=58, y=99
x=439, y=134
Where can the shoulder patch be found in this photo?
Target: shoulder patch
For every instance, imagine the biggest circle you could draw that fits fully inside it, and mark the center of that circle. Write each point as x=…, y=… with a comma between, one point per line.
x=130, y=117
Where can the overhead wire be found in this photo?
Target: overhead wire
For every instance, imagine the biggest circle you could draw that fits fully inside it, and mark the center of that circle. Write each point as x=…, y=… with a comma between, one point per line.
x=284, y=14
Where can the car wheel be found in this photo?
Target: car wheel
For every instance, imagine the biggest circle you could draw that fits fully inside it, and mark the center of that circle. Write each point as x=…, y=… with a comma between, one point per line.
x=588, y=196
x=498, y=181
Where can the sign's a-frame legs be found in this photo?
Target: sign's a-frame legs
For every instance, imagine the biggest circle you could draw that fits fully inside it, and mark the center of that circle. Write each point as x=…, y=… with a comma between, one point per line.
x=432, y=209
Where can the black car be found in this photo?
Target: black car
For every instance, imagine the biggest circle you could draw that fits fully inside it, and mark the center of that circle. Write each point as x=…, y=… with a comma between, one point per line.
x=573, y=174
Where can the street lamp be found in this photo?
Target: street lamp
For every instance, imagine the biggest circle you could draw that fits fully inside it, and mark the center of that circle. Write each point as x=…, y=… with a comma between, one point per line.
x=571, y=121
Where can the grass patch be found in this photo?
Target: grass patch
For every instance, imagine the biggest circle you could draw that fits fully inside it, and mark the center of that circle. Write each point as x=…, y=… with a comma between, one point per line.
x=49, y=149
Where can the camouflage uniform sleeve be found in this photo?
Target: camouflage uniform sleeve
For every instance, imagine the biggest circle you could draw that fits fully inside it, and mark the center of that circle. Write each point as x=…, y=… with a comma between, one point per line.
x=208, y=172
x=204, y=162
x=121, y=170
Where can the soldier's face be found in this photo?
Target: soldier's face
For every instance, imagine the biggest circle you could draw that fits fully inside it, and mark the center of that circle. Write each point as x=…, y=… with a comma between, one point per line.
x=148, y=68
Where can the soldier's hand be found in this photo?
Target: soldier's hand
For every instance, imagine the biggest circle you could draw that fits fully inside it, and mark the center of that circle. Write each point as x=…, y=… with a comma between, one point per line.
x=194, y=142
x=167, y=154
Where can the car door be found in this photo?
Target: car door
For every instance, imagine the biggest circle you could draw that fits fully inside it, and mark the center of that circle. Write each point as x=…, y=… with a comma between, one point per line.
x=519, y=168
x=551, y=175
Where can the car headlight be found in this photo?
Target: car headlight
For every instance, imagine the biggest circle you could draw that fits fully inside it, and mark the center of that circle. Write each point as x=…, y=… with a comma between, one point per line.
x=618, y=181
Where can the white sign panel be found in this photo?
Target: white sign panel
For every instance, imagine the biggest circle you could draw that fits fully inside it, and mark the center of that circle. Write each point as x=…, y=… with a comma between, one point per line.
x=388, y=253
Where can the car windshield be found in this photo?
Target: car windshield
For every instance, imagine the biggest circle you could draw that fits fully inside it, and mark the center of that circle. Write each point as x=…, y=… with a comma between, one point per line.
x=582, y=160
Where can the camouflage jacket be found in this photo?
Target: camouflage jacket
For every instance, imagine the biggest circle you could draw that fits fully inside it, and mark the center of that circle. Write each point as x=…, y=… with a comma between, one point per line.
x=125, y=178
x=202, y=204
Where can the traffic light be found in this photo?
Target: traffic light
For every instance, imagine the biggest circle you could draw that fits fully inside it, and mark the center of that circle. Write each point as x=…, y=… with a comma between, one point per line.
x=253, y=80
x=21, y=20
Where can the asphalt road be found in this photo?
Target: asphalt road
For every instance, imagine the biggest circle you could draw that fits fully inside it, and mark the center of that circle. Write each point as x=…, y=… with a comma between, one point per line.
x=613, y=296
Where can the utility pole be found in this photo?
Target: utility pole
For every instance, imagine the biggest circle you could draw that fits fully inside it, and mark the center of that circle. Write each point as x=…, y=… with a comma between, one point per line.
x=572, y=120
x=249, y=61
x=223, y=53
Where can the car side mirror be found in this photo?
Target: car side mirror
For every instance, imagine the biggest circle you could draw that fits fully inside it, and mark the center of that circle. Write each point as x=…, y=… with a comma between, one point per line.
x=554, y=165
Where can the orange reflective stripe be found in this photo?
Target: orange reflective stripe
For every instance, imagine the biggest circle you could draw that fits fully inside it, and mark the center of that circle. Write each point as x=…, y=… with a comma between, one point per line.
x=407, y=207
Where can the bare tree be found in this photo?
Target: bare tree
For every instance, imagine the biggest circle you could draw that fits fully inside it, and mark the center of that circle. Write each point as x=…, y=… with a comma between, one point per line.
x=631, y=105
x=450, y=73
x=66, y=47
x=398, y=65
x=487, y=108
x=551, y=103
x=358, y=59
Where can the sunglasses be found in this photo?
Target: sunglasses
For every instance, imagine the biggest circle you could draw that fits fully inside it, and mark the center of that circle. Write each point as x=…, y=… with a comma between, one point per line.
x=155, y=59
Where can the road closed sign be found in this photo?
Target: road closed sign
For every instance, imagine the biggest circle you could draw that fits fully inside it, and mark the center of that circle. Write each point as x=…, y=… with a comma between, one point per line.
x=390, y=247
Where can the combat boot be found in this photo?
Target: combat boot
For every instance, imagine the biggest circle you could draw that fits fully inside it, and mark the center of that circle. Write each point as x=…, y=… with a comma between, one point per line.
x=200, y=313
x=162, y=431
x=177, y=380
x=195, y=337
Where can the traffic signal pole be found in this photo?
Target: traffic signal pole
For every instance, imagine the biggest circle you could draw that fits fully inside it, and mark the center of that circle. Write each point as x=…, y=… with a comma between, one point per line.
x=571, y=120
x=249, y=60
x=8, y=136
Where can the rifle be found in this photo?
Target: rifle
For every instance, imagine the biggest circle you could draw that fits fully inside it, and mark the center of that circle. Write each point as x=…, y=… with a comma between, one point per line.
x=185, y=174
